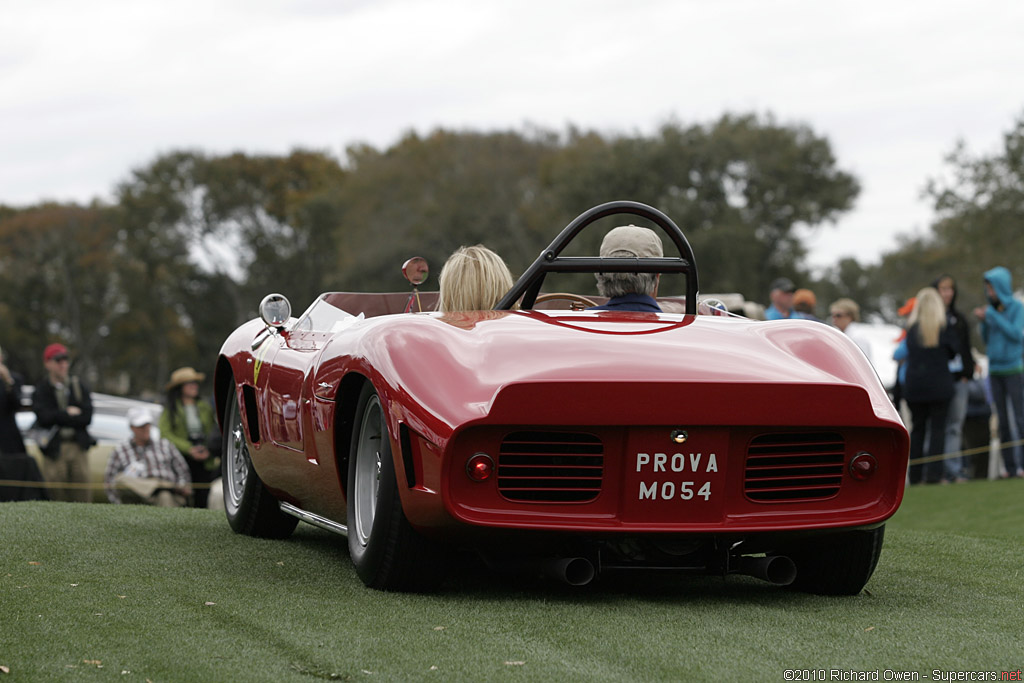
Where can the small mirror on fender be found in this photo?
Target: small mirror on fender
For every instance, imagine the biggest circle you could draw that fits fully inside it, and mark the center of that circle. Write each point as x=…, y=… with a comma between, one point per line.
x=416, y=270
x=275, y=309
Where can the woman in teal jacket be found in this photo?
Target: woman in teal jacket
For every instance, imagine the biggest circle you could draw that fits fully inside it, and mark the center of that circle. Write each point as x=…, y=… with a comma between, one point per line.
x=190, y=424
x=1002, y=328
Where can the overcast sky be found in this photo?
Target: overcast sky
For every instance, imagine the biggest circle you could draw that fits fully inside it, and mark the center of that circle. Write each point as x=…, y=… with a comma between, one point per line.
x=90, y=90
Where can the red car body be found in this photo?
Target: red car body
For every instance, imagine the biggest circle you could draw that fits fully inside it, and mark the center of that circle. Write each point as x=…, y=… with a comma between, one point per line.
x=693, y=442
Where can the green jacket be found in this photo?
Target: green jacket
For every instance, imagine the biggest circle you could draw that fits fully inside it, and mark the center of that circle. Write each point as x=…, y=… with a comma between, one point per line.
x=177, y=432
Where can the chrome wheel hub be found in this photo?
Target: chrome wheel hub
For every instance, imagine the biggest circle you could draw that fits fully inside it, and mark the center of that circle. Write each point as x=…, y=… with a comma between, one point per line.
x=366, y=486
x=237, y=463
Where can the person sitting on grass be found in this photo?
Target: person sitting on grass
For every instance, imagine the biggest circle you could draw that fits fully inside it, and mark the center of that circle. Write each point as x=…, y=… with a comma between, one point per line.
x=145, y=471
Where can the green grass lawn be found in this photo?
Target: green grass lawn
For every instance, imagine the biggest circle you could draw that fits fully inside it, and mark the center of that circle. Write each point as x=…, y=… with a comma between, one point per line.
x=124, y=593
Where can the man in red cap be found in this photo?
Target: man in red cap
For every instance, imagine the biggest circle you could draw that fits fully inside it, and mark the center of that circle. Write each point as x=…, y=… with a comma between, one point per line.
x=63, y=406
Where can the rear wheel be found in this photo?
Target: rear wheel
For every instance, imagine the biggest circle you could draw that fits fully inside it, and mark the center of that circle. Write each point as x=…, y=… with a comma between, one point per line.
x=250, y=507
x=386, y=551
x=837, y=564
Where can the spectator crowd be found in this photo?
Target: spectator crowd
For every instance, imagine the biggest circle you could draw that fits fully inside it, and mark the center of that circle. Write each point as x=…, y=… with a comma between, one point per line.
x=937, y=371
x=178, y=467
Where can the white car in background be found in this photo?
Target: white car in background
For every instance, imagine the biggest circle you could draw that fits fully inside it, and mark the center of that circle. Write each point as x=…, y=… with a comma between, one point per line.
x=109, y=427
x=884, y=338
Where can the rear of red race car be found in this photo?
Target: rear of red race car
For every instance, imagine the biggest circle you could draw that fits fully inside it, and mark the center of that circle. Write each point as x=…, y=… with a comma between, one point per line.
x=787, y=474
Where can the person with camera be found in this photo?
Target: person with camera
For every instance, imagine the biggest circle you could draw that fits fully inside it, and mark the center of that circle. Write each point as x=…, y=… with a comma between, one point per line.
x=63, y=407
x=188, y=422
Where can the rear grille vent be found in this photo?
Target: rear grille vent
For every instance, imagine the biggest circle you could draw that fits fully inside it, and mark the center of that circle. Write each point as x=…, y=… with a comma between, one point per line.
x=550, y=467
x=792, y=467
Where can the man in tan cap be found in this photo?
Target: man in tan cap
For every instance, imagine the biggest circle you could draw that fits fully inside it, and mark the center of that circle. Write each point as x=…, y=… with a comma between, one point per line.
x=629, y=291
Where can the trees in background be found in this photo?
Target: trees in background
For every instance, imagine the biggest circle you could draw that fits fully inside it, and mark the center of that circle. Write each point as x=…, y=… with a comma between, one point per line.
x=738, y=187
x=428, y=195
x=192, y=241
x=57, y=281
x=979, y=209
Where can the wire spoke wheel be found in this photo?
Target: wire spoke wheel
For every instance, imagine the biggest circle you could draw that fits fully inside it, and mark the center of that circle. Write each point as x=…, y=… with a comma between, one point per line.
x=237, y=462
x=250, y=507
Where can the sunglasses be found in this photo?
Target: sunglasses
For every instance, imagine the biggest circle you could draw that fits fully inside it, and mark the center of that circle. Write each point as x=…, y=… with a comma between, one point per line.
x=60, y=359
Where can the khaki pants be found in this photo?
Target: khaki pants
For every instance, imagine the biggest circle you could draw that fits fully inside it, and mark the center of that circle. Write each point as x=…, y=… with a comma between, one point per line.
x=158, y=492
x=70, y=466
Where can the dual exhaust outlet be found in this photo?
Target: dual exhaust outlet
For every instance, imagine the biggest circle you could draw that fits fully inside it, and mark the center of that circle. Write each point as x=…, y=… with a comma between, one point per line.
x=579, y=571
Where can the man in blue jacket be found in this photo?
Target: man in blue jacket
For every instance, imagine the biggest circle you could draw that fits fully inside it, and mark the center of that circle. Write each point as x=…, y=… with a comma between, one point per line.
x=1002, y=328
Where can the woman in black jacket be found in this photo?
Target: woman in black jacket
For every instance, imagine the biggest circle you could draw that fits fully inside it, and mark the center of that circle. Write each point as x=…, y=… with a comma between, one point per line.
x=961, y=367
x=929, y=384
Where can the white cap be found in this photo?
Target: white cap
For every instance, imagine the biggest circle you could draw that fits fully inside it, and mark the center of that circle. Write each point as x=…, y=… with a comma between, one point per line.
x=139, y=416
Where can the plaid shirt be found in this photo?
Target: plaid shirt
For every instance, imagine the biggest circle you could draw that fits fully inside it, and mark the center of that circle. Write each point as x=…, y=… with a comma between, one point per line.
x=157, y=460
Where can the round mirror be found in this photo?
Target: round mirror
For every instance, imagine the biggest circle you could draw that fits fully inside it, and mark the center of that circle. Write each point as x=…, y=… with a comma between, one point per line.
x=712, y=306
x=716, y=304
x=416, y=270
x=275, y=309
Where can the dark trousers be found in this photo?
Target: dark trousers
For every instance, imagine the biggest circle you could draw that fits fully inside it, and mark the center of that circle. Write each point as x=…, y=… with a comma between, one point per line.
x=200, y=475
x=927, y=418
x=18, y=467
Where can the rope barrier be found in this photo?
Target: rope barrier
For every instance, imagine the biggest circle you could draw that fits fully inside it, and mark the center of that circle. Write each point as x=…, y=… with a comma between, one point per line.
x=969, y=451
x=20, y=483
x=17, y=483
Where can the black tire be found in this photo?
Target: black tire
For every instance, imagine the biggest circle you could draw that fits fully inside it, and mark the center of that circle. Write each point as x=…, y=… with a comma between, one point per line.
x=836, y=564
x=388, y=554
x=250, y=507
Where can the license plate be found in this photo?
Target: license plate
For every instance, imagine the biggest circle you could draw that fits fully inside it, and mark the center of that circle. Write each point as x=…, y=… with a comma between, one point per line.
x=671, y=482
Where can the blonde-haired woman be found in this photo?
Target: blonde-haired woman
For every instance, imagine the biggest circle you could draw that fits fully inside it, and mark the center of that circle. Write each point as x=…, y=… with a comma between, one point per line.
x=473, y=279
x=929, y=386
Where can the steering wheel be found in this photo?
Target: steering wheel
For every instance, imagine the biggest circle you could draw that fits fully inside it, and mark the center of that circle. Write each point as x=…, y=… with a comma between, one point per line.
x=575, y=299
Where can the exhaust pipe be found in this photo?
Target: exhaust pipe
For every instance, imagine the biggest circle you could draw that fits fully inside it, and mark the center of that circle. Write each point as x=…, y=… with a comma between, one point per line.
x=777, y=569
x=575, y=571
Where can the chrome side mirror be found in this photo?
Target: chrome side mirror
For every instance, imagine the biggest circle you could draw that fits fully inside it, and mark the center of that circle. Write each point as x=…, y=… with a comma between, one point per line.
x=416, y=270
x=275, y=309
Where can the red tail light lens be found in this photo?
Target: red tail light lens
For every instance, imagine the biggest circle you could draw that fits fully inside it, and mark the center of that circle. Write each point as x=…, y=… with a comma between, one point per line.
x=863, y=466
x=480, y=467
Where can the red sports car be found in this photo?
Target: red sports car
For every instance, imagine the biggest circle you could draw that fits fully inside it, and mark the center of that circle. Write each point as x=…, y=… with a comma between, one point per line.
x=572, y=442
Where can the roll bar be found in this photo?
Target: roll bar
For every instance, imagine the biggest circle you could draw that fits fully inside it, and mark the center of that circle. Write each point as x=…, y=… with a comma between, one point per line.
x=527, y=287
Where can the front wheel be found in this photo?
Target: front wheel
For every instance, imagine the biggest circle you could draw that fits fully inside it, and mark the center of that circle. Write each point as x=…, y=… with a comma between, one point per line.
x=836, y=564
x=388, y=554
x=250, y=507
